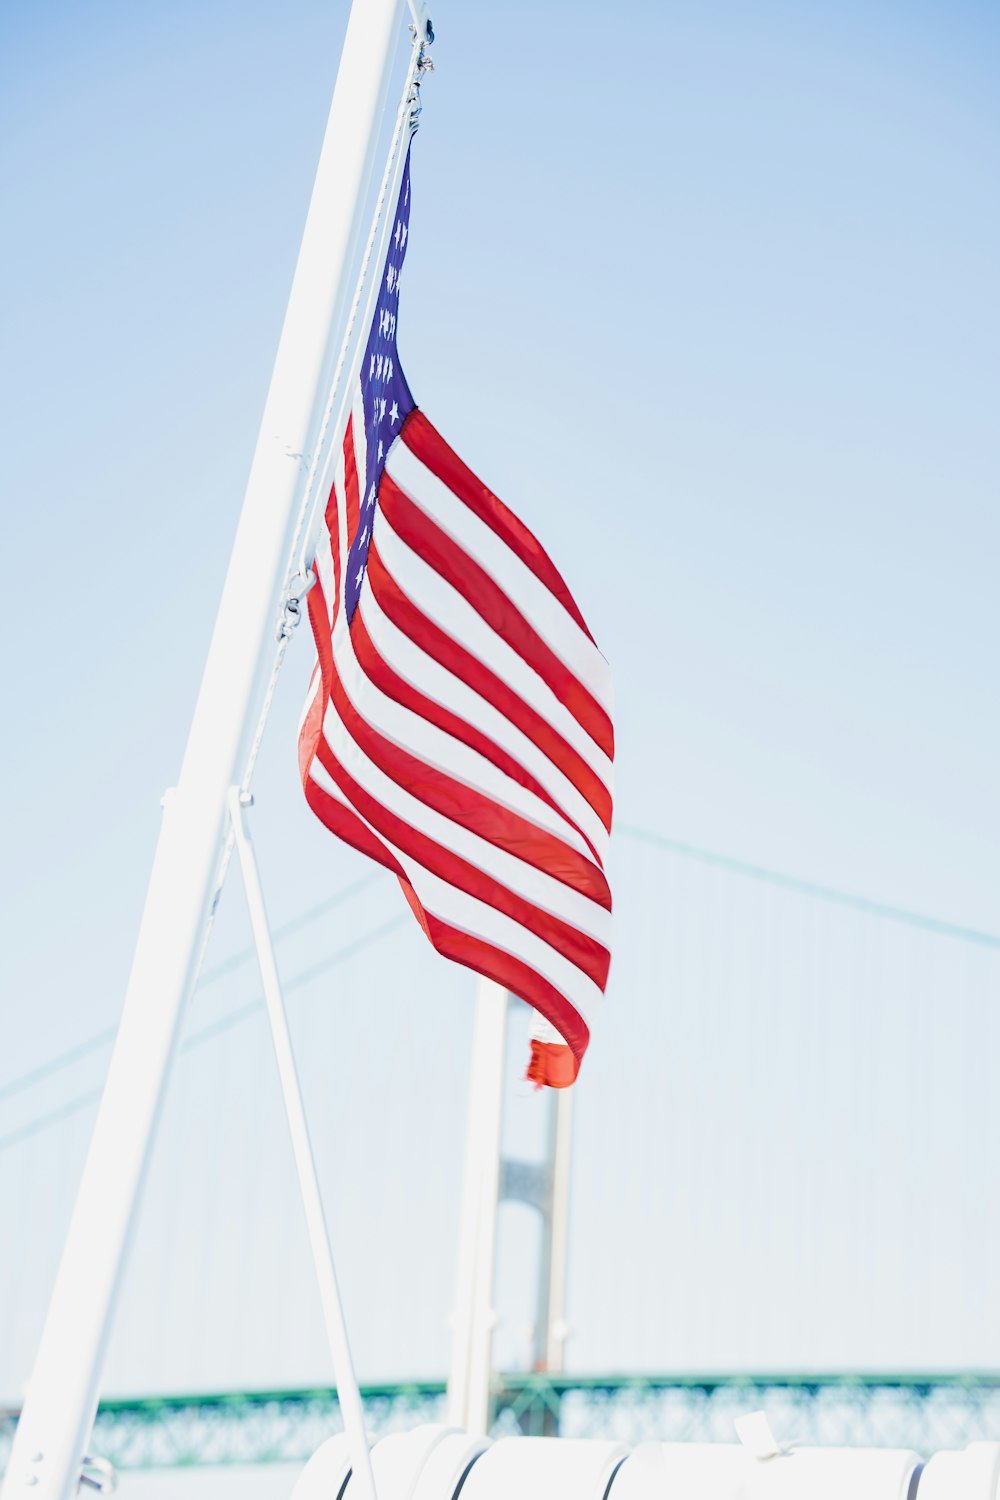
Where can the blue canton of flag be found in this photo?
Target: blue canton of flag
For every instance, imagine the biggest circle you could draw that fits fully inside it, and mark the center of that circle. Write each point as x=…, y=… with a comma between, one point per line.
x=385, y=395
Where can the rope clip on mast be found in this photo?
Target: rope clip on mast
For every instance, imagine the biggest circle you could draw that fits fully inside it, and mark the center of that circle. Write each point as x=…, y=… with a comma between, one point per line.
x=296, y=590
x=422, y=33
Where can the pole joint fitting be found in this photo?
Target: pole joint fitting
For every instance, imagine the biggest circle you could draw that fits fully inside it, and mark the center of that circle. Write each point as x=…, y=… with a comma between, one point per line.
x=98, y=1474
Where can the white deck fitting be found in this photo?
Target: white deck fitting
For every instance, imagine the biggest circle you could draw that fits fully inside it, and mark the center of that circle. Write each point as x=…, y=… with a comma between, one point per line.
x=727, y=1472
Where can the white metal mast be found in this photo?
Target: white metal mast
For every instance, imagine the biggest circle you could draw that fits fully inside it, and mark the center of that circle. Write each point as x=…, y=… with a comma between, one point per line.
x=62, y=1395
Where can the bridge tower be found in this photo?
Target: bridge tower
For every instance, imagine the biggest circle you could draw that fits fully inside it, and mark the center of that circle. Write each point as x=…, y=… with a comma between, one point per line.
x=490, y=1178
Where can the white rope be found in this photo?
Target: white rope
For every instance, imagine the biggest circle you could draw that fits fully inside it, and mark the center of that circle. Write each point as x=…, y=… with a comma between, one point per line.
x=299, y=555
x=316, y=492
x=299, y=578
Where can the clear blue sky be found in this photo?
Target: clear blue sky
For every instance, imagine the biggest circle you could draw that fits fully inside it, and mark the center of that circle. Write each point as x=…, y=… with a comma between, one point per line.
x=708, y=294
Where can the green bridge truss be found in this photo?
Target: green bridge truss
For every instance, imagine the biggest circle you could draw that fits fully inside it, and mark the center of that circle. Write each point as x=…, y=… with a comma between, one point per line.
x=925, y=1412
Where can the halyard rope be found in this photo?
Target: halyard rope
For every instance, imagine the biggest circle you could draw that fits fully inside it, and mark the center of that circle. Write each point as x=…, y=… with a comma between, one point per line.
x=299, y=577
x=409, y=110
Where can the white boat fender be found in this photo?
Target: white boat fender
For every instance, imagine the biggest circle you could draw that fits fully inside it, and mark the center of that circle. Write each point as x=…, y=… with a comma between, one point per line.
x=525, y=1468
x=447, y=1469
x=326, y=1474
x=972, y=1473
x=400, y=1458
x=428, y=1463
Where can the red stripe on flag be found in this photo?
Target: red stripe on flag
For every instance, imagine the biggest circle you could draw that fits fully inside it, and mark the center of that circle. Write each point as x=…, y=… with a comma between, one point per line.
x=333, y=527
x=339, y=819
x=470, y=808
x=514, y=975
x=476, y=586
x=445, y=650
x=581, y=950
x=331, y=519
x=427, y=444
x=551, y=1066
x=347, y=826
x=350, y=486
x=377, y=669
x=319, y=619
x=311, y=732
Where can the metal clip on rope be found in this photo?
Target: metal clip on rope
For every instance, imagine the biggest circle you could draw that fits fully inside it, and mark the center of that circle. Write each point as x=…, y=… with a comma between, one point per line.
x=424, y=64
x=298, y=587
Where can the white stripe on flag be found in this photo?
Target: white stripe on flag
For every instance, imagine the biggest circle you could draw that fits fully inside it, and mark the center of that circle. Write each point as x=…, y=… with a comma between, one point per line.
x=442, y=687
x=538, y=605
x=439, y=749
x=521, y=876
x=447, y=609
x=481, y=920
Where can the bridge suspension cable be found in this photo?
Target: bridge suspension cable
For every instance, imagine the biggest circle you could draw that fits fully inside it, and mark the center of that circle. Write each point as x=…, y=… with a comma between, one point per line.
x=749, y=870
x=810, y=888
x=227, y=966
x=214, y=1029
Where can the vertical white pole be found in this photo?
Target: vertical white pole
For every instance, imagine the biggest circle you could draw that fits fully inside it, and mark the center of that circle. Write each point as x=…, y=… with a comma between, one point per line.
x=556, y=1330
x=62, y=1395
x=472, y=1336
x=348, y=1394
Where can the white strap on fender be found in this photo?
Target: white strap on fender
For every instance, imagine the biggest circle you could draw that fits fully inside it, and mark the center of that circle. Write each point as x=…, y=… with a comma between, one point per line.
x=755, y=1433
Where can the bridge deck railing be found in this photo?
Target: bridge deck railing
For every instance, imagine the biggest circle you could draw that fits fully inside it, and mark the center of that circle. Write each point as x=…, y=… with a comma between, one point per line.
x=921, y=1411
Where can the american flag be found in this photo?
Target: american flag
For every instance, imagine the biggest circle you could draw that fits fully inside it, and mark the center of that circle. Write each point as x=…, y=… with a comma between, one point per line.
x=458, y=724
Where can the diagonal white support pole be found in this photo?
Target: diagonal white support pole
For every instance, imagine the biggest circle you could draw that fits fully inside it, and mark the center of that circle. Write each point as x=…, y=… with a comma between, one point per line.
x=305, y=1165
x=53, y=1433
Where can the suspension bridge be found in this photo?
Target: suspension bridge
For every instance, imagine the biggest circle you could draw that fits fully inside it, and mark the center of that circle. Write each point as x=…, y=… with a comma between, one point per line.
x=810, y=1187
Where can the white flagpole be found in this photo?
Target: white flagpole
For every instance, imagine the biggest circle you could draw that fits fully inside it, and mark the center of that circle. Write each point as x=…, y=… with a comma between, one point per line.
x=62, y=1395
